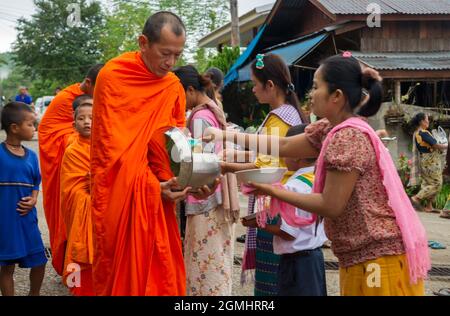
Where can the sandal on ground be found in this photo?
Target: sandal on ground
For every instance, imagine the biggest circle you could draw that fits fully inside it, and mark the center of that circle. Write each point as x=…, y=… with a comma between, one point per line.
x=237, y=260
x=442, y=292
x=436, y=245
x=445, y=214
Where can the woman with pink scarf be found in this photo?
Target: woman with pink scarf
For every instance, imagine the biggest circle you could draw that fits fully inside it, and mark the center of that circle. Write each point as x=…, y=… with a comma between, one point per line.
x=375, y=232
x=208, y=242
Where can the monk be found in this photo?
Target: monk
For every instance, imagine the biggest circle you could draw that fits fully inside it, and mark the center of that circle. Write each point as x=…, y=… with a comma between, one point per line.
x=137, y=241
x=55, y=132
x=76, y=203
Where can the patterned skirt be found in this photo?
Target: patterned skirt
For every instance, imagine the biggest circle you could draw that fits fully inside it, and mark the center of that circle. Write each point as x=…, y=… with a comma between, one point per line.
x=266, y=273
x=209, y=254
x=431, y=174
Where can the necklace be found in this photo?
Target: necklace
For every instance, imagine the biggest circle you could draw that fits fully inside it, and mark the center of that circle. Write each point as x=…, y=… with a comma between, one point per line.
x=14, y=146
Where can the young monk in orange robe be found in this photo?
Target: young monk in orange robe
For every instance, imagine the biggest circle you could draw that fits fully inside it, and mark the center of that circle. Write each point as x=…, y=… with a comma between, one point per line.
x=55, y=132
x=76, y=205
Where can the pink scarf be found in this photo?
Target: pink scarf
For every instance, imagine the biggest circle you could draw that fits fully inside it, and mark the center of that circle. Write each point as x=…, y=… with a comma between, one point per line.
x=413, y=233
x=285, y=210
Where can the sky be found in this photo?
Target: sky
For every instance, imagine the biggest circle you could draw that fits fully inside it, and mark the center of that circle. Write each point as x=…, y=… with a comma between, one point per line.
x=10, y=11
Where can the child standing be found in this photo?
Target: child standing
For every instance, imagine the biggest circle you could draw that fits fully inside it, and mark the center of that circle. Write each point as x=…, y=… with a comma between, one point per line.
x=301, y=270
x=75, y=202
x=20, y=238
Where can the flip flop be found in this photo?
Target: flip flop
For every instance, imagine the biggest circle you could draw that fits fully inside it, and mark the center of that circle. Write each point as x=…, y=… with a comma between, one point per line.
x=436, y=245
x=442, y=292
x=445, y=214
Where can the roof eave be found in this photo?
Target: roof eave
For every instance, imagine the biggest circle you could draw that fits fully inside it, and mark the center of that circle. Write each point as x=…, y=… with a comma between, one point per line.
x=322, y=8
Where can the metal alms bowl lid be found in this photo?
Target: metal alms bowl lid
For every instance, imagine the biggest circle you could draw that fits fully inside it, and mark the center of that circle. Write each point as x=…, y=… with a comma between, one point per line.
x=180, y=154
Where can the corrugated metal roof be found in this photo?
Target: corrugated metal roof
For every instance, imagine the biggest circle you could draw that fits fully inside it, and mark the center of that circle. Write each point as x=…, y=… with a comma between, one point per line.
x=420, y=6
x=354, y=6
x=388, y=6
x=405, y=61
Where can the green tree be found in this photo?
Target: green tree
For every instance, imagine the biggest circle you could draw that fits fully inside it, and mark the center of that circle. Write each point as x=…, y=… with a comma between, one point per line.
x=15, y=79
x=54, y=50
x=124, y=24
x=225, y=59
x=18, y=76
x=199, y=16
x=121, y=31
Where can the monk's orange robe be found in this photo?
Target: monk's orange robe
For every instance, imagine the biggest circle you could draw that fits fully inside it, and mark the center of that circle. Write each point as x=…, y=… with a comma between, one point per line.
x=136, y=237
x=76, y=212
x=55, y=131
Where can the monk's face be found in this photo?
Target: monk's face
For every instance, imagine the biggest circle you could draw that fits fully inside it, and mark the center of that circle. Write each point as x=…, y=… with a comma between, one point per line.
x=83, y=120
x=160, y=57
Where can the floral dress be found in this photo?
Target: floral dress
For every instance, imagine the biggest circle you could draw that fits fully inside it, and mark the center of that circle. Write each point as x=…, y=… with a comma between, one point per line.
x=209, y=254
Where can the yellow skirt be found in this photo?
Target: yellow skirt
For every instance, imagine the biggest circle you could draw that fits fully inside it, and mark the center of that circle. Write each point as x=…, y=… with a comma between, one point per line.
x=385, y=276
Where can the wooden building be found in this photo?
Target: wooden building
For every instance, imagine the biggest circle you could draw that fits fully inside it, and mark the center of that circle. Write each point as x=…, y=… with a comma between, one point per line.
x=249, y=25
x=412, y=44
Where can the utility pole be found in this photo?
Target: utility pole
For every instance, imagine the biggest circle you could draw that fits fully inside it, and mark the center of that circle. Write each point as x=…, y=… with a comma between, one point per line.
x=235, y=37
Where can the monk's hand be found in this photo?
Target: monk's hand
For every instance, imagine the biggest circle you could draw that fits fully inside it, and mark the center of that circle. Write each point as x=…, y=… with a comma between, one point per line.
x=212, y=134
x=169, y=193
x=261, y=188
x=252, y=223
x=26, y=205
x=205, y=191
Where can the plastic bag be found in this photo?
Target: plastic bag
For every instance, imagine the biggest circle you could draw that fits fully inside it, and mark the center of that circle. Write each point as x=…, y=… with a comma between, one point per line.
x=441, y=137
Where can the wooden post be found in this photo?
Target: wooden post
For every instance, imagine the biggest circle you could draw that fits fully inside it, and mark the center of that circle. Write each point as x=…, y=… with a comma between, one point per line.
x=435, y=92
x=235, y=36
x=398, y=92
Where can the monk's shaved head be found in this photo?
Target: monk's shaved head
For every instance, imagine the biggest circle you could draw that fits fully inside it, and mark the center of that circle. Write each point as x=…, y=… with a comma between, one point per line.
x=81, y=100
x=88, y=84
x=93, y=72
x=155, y=23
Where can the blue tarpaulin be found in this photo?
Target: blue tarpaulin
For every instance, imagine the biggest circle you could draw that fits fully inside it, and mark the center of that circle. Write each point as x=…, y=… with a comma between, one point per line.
x=291, y=54
x=232, y=75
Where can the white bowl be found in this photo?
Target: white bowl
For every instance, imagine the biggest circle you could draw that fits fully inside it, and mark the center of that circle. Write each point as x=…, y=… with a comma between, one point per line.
x=261, y=175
